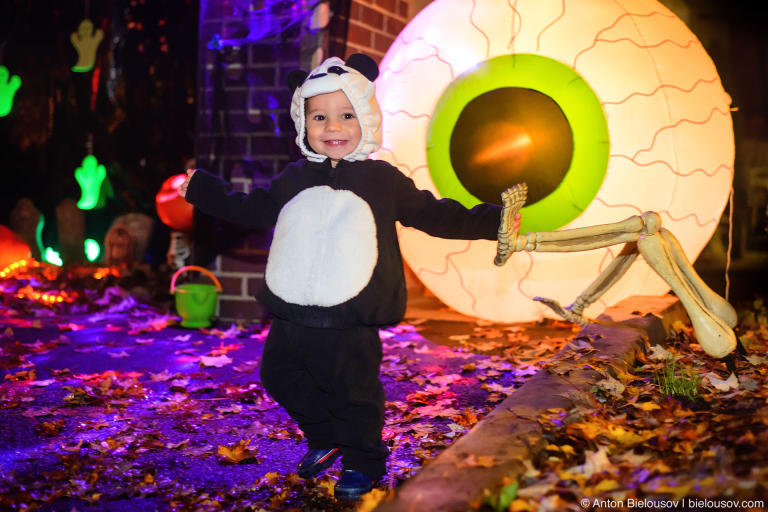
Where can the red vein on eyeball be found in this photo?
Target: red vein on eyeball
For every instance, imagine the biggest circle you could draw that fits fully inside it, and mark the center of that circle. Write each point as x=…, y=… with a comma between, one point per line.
x=680, y=219
x=672, y=170
x=549, y=25
x=621, y=205
x=615, y=22
x=446, y=260
x=608, y=252
x=487, y=39
x=678, y=123
x=655, y=45
x=394, y=159
x=525, y=277
x=461, y=279
x=519, y=25
x=660, y=87
x=436, y=55
x=403, y=111
x=417, y=169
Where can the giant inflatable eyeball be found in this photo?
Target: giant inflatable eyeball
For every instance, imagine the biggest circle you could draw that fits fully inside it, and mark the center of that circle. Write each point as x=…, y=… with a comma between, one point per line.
x=172, y=208
x=605, y=109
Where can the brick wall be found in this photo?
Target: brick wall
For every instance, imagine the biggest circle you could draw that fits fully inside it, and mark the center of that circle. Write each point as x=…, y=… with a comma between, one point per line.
x=374, y=24
x=244, y=134
x=244, y=131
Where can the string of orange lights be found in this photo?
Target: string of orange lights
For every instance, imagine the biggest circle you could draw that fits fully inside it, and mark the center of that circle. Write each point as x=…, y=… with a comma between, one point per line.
x=21, y=269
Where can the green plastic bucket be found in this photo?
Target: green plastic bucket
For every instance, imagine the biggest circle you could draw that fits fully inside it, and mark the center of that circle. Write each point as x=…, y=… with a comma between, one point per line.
x=195, y=302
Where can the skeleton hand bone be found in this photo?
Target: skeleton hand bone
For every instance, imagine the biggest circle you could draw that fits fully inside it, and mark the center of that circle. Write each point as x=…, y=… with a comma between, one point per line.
x=513, y=200
x=564, y=312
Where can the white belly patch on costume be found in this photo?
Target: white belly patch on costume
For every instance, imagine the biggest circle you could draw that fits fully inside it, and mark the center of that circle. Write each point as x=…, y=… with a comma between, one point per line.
x=324, y=248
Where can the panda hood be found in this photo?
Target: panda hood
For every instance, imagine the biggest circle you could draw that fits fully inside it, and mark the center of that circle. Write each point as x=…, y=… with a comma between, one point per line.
x=355, y=78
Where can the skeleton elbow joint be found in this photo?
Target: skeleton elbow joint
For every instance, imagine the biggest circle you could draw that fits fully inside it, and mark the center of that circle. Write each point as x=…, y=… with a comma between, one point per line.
x=651, y=223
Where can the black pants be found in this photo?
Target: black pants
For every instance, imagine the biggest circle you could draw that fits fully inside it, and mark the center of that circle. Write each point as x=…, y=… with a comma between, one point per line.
x=328, y=381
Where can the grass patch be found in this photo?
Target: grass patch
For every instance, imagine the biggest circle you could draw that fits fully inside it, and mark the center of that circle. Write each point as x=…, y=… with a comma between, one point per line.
x=683, y=384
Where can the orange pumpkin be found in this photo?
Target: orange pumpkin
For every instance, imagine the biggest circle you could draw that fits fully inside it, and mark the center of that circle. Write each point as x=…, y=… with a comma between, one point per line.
x=12, y=247
x=174, y=210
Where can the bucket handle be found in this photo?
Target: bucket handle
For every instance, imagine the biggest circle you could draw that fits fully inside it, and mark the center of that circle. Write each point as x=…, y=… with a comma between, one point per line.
x=199, y=269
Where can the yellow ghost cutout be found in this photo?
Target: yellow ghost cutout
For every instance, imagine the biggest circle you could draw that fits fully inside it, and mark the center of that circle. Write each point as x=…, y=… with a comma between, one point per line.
x=86, y=42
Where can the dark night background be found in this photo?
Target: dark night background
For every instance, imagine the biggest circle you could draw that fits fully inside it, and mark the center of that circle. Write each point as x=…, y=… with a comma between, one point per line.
x=140, y=121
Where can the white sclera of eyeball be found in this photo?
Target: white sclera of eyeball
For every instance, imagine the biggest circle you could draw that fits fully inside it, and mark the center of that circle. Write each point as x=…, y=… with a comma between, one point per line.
x=671, y=138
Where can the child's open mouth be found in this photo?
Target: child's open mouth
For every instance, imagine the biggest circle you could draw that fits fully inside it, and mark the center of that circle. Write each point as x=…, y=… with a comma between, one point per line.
x=336, y=142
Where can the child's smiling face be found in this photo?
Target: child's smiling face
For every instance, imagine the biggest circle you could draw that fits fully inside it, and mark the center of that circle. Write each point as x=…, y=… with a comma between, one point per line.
x=333, y=129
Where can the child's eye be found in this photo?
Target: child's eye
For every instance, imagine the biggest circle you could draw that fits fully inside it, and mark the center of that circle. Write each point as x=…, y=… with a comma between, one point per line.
x=348, y=115
x=318, y=117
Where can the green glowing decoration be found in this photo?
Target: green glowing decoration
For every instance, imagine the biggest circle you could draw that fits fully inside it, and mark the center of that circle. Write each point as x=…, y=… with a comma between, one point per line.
x=90, y=176
x=8, y=87
x=52, y=257
x=39, y=234
x=86, y=42
x=92, y=249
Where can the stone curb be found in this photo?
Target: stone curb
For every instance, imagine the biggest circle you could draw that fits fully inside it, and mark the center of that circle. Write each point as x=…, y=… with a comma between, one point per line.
x=511, y=432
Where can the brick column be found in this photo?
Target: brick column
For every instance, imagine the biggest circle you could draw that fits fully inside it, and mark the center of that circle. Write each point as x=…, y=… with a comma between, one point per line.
x=244, y=134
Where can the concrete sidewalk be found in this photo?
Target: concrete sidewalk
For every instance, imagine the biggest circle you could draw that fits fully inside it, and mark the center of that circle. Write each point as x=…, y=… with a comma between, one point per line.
x=511, y=433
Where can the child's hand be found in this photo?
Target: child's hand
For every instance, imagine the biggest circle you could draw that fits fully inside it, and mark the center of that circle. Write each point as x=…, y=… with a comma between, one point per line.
x=183, y=187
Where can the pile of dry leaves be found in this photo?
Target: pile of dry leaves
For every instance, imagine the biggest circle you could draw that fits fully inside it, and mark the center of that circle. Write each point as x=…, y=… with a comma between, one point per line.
x=678, y=432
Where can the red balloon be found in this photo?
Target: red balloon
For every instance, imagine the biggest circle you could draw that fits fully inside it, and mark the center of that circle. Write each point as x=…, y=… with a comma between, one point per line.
x=12, y=247
x=174, y=210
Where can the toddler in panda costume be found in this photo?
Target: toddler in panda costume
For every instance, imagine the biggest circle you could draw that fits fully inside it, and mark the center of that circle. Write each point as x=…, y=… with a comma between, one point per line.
x=334, y=275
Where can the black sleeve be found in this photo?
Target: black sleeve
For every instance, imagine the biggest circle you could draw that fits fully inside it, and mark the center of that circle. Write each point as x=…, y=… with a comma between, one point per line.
x=444, y=218
x=215, y=197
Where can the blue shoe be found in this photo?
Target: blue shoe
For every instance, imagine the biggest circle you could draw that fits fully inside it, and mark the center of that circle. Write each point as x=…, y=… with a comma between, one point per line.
x=316, y=461
x=352, y=485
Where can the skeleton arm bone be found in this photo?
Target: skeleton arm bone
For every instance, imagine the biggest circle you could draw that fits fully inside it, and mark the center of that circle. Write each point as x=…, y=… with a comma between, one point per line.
x=714, y=302
x=587, y=238
x=712, y=317
x=714, y=335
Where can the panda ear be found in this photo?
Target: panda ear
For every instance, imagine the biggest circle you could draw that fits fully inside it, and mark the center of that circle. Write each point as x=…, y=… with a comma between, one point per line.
x=364, y=64
x=296, y=78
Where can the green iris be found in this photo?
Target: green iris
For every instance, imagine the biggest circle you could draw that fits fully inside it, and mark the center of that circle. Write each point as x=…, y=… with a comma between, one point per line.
x=580, y=108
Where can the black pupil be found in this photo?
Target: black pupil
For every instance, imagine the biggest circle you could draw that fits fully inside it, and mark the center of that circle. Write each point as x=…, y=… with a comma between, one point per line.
x=507, y=136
